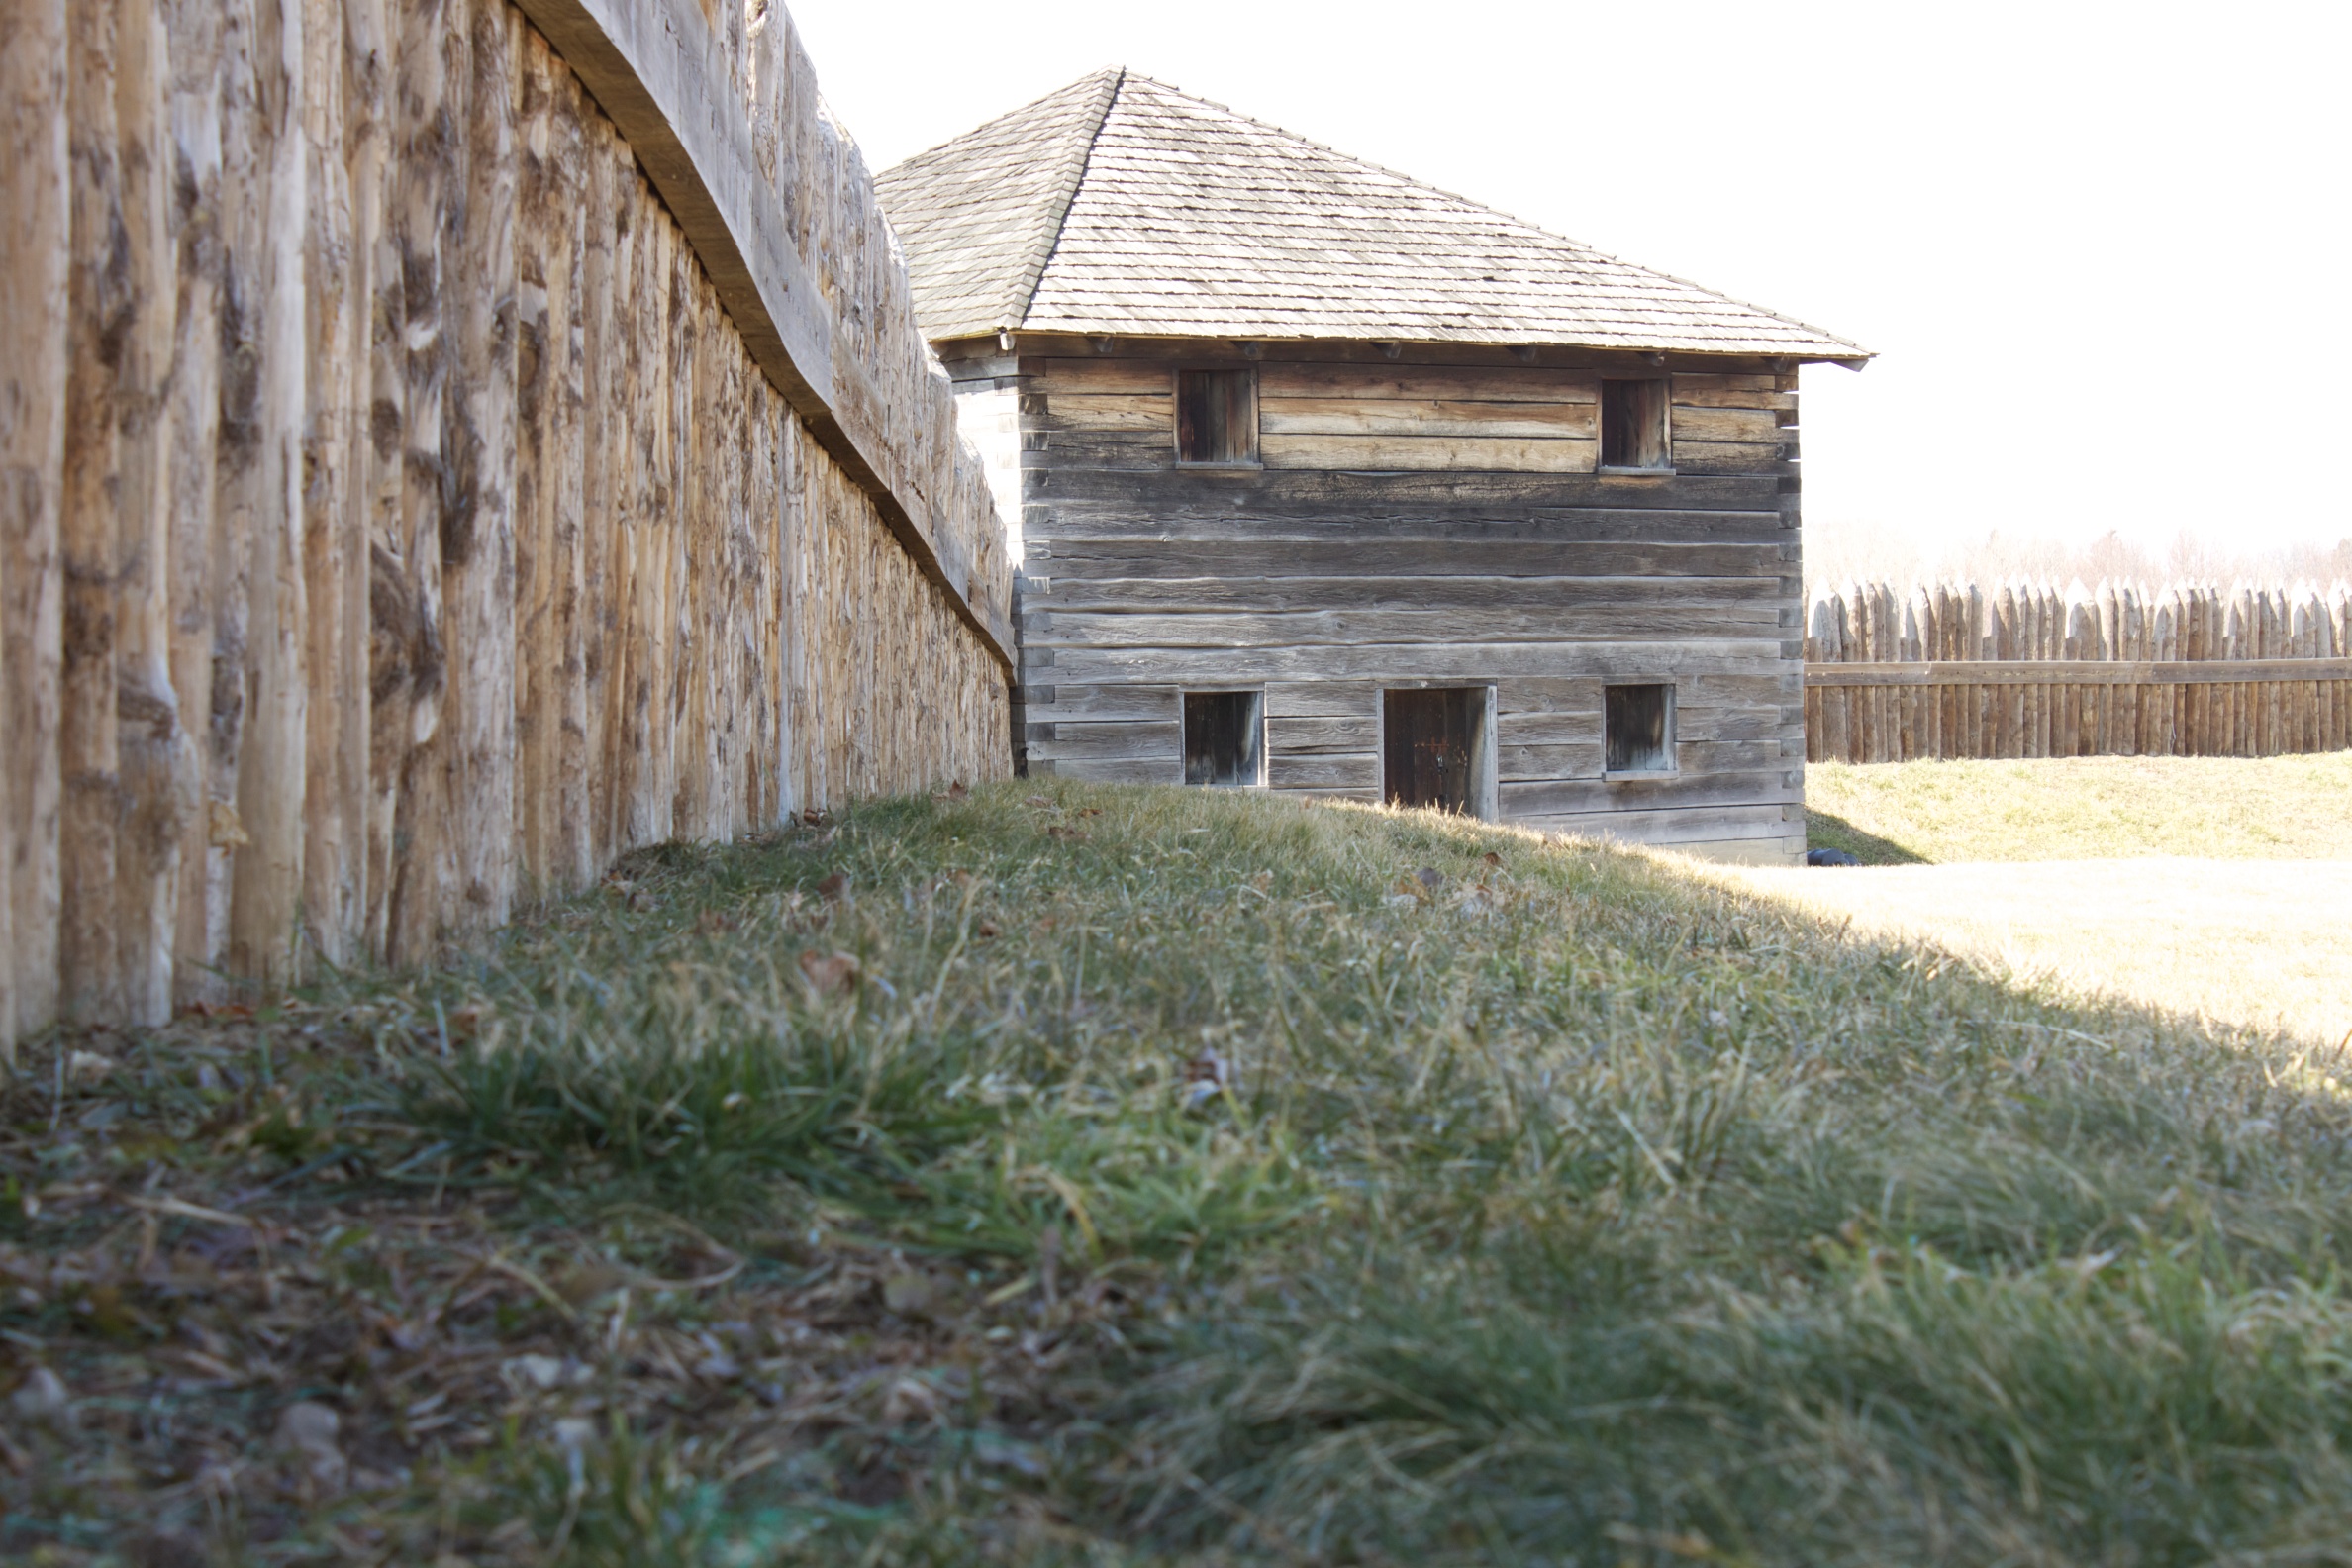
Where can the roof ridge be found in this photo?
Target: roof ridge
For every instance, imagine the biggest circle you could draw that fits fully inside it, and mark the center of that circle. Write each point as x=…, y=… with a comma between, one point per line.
x=1067, y=180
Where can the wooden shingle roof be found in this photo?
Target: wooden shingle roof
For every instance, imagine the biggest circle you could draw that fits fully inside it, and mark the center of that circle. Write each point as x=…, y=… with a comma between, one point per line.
x=1122, y=206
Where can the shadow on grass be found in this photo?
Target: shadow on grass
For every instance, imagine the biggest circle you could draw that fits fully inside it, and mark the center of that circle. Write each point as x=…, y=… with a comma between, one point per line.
x=1827, y=831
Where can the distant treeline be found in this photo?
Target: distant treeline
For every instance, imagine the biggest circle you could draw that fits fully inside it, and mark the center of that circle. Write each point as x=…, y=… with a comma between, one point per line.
x=1839, y=550
x=1877, y=622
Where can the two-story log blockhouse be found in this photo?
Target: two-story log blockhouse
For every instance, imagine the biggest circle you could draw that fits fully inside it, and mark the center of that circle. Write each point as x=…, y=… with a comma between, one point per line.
x=1330, y=482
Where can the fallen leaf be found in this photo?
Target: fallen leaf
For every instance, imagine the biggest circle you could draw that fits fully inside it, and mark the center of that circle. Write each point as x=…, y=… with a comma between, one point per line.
x=1089, y=811
x=1069, y=834
x=834, y=887
x=307, y=1431
x=43, y=1397
x=713, y=921
x=1206, y=1076
x=1493, y=858
x=542, y=1372
x=1038, y=800
x=589, y=1280
x=831, y=974
x=906, y=1293
x=987, y=928
x=908, y=1399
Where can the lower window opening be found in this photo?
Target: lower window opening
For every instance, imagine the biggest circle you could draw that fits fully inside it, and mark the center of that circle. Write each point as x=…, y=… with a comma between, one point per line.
x=1222, y=733
x=1433, y=747
x=1638, y=727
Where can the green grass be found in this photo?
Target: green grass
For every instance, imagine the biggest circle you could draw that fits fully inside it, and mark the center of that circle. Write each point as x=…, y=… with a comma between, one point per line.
x=2288, y=807
x=1188, y=1178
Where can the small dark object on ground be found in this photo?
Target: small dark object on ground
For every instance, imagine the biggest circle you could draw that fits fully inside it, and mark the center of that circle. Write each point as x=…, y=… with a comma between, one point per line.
x=1830, y=857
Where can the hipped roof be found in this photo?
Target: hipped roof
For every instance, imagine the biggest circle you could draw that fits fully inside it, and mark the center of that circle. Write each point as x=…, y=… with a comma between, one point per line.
x=1121, y=206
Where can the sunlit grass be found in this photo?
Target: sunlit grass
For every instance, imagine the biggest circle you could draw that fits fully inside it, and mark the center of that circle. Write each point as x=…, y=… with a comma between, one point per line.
x=2286, y=808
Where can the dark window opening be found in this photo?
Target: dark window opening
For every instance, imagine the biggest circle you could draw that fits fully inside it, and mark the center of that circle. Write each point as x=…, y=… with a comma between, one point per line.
x=1634, y=423
x=1221, y=732
x=1638, y=727
x=1433, y=748
x=1216, y=416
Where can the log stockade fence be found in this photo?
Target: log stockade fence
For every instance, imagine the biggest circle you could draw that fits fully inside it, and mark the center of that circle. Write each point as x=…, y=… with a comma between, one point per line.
x=444, y=444
x=2033, y=671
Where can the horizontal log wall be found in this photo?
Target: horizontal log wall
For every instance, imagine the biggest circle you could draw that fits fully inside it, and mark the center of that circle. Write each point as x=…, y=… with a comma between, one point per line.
x=399, y=517
x=1429, y=518
x=2026, y=671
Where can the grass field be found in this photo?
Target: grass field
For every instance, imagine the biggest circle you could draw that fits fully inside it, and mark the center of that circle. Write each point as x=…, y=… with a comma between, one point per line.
x=2288, y=807
x=2216, y=887
x=1129, y=1177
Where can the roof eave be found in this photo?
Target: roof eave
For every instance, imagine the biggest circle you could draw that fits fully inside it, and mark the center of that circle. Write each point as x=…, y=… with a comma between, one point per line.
x=1850, y=356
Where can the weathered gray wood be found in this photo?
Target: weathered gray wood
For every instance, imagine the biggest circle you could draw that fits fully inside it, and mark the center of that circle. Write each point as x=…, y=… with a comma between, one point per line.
x=1354, y=733
x=1397, y=555
x=35, y=206
x=663, y=73
x=1127, y=770
x=1456, y=454
x=1714, y=457
x=1518, y=762
x=1307, y=629
x=1412, y=383
x=1212, y=494
x=1677, y=791
x=1323, y=771
x=1322, y=699
x=1424, y=418
x=1683, y=824
x=1060, y=740
x=1054, y=703
x=1274, y=554
x=1232, y=592
x=1396, y=663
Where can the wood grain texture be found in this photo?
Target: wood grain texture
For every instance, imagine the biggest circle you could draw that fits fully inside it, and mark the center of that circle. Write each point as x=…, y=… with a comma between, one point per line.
x=1420, y=538
x=395, y=519
x=35, y=351
x=2026, y=670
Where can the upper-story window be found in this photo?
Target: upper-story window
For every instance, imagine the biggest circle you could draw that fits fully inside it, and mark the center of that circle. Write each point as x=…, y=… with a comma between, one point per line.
x=1216, y=418
x=1634, y=423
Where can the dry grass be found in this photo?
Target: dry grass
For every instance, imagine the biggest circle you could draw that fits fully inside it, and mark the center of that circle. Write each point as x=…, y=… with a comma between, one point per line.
x=1138, y=1178
x=2255, y=944
x=2288, y=807
x=2216, y=887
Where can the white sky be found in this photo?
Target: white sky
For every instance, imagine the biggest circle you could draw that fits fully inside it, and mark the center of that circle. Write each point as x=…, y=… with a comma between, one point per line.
x=2100, y=249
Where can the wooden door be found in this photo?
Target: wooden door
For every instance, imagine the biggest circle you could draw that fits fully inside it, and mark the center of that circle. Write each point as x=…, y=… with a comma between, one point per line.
x=1428, y=750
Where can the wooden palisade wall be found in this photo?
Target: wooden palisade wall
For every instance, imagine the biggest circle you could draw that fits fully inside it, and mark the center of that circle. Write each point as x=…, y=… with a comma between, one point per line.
x=1433, y=518
x=2029, y=670
x=403, y=509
